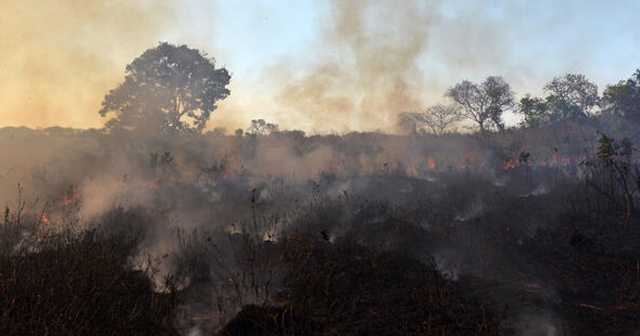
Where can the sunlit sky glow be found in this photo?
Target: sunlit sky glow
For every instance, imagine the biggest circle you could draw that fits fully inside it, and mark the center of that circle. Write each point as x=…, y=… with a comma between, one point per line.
x=319, y=66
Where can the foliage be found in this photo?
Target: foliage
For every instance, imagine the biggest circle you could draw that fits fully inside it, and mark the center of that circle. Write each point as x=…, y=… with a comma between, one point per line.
x=167, y=90
x=571, y=97
x=534, y=110
x=623, y=98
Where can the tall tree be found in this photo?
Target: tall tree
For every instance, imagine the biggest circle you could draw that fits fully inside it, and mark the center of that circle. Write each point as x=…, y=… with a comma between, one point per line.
x=483, y=103
x=623, y=99
x=571, y=97
x=167, y=90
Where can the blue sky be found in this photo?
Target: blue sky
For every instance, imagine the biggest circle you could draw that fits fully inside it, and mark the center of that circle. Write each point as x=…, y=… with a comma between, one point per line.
x=314, y=65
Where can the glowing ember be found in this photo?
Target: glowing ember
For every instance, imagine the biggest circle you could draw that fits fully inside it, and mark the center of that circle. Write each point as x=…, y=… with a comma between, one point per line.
x=508, y=164
x=431, y=163
x=44, y=219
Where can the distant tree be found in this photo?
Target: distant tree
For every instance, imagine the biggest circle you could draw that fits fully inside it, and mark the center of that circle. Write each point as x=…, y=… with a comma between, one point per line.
x=294, y=134
x=168, y=90
x=534, y=110
x=571, y=97
x=623, y=99
x=217, y=132
x=436, y=119
x=439, y=118
x=409, y=122
x=259, y=127
x=483, y=103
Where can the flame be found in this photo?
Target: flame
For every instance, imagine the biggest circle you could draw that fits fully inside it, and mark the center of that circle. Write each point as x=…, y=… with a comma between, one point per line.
x=509, y=164
x=44, y=219
x=431, y=163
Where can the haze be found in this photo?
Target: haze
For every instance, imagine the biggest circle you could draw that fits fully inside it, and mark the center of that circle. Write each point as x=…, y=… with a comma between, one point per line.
x=311, y=65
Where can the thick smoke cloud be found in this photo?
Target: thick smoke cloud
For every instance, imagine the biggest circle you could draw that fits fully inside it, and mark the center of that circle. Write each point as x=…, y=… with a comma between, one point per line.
x=60, y=58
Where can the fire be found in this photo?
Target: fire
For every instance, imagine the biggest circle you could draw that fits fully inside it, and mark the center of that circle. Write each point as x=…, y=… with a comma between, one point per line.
x=44, y=219
x=431, y=163
x=508, y=164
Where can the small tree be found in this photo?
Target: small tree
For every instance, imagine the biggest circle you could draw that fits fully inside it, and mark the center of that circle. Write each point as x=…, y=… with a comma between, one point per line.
x=260, y=127
x=167, y=90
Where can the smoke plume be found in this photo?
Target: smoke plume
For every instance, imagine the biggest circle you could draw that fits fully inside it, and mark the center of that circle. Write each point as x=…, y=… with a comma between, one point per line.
x=60, y=58
x=375, y=74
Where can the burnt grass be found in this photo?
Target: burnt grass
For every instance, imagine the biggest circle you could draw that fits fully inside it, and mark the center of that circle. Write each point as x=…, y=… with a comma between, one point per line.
x=80, y=284
x=530, y=250
x=381, y=277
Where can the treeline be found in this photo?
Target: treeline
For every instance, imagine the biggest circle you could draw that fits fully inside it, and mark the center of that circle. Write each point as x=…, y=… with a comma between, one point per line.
x=569, y=98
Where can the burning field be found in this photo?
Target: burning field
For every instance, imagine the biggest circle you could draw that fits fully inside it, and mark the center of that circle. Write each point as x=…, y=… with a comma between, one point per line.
x=287, y=234
x=434, y=220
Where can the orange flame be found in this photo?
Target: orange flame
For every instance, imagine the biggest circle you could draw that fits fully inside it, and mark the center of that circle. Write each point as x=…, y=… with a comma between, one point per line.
x=508, y=164
x=44, y=219
x=431, y=163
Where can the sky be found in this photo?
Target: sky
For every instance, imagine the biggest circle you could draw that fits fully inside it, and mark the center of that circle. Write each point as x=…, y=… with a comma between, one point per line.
x=318, y=66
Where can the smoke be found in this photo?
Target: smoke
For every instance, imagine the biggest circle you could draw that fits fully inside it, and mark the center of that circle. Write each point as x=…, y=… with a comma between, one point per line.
x=58, y=59
x=373, y=74
x=357, y=65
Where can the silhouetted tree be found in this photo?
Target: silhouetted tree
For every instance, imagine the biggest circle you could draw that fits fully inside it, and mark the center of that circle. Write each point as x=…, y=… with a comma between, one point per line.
x=262, y=127
x=534, y=110
x=623, y=99
x=439, y=118
x=168, y=90
x=483, y=103
x=410, y=122
x=571, y=97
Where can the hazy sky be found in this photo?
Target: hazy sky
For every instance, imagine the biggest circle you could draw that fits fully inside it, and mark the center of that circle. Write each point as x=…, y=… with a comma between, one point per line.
x=313, y=65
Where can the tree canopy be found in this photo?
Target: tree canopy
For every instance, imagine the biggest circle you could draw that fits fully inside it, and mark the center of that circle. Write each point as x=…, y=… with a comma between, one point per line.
x=534, y=110
x=483, y=103
x=623, y=99
x=571, y=97
x=167, y=90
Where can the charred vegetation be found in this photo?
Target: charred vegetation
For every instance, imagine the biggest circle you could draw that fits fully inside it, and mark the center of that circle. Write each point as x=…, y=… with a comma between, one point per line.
x=354, y=234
